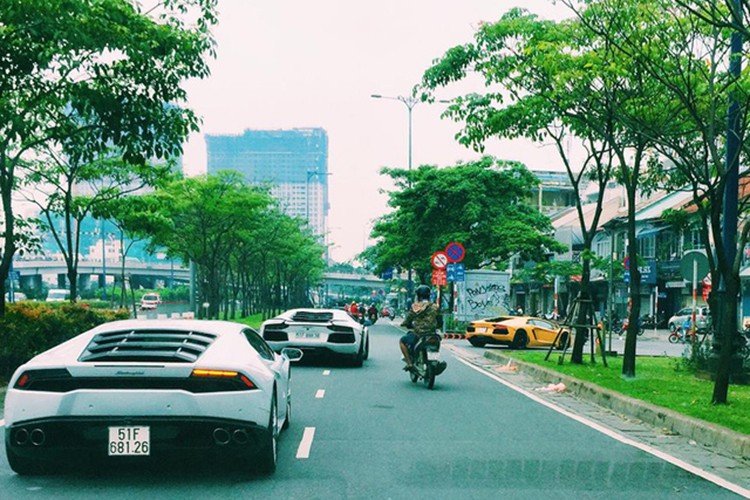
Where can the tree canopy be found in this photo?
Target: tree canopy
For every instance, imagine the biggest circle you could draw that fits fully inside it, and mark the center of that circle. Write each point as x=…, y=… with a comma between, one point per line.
x=482, y=204
x=79, y=78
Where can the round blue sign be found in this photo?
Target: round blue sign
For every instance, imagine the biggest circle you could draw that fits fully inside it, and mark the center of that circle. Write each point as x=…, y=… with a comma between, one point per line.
x=455, y=252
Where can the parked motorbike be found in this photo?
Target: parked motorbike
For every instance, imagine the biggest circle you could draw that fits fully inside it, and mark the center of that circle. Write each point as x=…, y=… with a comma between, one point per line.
x=624, y=328
x=426, y=360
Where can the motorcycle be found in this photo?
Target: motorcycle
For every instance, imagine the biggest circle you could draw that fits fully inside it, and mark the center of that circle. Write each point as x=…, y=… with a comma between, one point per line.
x=426, y=360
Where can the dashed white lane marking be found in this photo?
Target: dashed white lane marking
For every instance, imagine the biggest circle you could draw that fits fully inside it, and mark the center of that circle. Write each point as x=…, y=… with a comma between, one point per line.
x=641, y=446
x=2, y=423
x=326, y=372
x=304, y=446
x=320, y=394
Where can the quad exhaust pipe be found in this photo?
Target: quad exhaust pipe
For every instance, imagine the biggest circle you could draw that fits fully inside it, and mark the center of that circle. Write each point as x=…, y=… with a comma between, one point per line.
x=37, y=437
x=222, y=436
x=22, y=437
x=240, y=436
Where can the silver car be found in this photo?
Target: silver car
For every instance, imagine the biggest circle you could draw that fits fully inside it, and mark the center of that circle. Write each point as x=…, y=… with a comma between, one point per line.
x=319, y=331
x=702, y=317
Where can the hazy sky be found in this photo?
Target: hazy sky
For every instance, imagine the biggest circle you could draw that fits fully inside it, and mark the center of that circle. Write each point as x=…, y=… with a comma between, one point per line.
x=302, y=63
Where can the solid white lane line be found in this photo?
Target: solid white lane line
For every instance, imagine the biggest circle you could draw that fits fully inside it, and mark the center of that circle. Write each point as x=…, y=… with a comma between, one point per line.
x=304, y=446
x=326, y=372
x=320, y=394
x=614, y=435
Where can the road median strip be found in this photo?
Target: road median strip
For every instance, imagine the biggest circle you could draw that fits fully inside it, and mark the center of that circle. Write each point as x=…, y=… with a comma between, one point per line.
x=705, y=433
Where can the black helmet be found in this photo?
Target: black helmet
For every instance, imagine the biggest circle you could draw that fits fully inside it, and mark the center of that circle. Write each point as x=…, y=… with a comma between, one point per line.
x=423, y=292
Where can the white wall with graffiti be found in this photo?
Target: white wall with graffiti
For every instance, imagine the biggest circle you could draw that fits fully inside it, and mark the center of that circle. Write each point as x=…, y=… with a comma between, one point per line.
x=483, y=294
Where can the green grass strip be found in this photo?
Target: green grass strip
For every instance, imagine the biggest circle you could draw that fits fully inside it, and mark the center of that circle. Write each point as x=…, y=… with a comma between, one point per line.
x=661, y=381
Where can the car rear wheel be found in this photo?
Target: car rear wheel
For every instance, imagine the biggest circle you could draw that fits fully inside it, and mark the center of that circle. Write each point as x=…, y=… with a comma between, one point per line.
x=477, y=342
x=520, y=340
x=367, y=348
x=562, y=341
x=288, y=418
x=268, y=455
x=359, y=358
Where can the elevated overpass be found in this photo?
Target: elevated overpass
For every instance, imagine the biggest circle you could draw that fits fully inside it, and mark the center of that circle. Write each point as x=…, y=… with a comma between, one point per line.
x=32, y=270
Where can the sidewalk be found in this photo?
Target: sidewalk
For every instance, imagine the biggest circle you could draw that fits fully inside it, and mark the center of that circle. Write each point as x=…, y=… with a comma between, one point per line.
x=718, y=450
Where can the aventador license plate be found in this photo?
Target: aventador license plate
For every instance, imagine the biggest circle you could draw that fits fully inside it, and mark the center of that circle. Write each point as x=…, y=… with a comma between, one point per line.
x=129, y=441
x=307, y=335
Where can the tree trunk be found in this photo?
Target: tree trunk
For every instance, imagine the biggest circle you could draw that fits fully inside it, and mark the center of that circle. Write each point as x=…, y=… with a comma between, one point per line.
x=634, y=298
x=9, y=242
x=583, y=317
x=726, y=330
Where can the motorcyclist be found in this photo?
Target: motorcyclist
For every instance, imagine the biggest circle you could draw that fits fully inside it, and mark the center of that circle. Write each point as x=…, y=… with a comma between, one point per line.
x=423, y=318
x=372, y=312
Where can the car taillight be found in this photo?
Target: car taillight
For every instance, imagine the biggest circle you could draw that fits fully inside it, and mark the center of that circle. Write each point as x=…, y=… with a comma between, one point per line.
x=499, y=325
x=44, y=379
x=224, y=374
x=275, y=326
x=22, y=380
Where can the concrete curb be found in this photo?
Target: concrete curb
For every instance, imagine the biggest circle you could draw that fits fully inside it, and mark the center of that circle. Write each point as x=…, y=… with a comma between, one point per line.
x=705, y=433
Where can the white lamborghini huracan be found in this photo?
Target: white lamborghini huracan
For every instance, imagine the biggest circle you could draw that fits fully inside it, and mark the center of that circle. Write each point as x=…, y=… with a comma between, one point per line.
x=141, y=390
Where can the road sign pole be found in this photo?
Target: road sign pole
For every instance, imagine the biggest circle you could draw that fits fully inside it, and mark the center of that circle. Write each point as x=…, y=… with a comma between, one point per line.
x=557, y=288
x=695, y=290
x=656, y=307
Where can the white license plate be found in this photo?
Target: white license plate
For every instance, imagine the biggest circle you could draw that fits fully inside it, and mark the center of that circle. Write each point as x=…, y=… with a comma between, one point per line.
x=481, y=329
x=129, y=441
x=433, y=355
x=308, y=335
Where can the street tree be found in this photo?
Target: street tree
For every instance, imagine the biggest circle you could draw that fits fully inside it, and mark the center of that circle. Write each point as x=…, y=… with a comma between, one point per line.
x=687, y=57
x=53, y=183
x=204, y=214
x=85, y=77
x=539, y=85
x=484, y=204
x=135, y=217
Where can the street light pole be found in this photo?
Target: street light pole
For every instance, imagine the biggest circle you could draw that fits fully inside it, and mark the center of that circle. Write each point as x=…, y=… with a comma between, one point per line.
x=409, y=102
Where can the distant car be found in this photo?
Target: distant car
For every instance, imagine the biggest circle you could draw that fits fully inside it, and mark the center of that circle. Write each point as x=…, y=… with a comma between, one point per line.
x=150, y=301
x=144, y=390
x=58, y=295
x=17, y=296
x=319, y=331
x=702, y=318
x=517, y=332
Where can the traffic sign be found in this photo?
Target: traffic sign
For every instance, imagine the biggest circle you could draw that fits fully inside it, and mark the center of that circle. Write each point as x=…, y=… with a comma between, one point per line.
x=626, y=262
x=694, y=260
x=455, y=272
x=439, y=260
x=455, y=252
x=439, y=277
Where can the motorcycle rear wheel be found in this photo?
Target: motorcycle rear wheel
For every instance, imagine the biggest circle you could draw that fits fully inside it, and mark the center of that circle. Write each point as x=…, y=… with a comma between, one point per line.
x=674, y=337
x=429, y=376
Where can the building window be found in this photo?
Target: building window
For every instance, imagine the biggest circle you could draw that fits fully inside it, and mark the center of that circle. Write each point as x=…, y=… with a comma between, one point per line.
x=693, y=239
x=647, y=247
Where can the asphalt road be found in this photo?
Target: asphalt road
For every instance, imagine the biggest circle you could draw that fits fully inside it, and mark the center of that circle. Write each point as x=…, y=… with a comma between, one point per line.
x=370, y=433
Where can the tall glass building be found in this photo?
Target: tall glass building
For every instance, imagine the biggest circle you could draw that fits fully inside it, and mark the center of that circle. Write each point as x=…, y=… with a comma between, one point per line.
x=294, y=162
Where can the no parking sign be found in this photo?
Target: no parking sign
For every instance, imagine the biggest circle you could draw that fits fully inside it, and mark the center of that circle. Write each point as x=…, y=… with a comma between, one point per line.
x=455, y=252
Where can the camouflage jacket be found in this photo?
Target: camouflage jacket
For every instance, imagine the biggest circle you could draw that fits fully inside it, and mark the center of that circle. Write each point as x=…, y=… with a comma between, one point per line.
x=423, y=318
